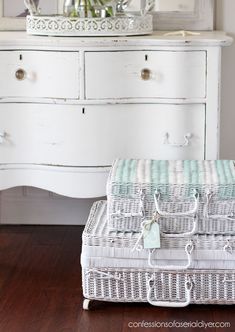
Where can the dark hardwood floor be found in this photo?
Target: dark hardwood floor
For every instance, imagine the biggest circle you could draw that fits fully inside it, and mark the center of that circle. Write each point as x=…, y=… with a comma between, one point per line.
x=40, y=289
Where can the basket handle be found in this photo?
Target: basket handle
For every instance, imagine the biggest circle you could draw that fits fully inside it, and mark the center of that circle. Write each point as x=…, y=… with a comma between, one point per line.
x=206, y=214
x=141, y=212
x=188, y=288
x=157, y=197
x=188, y=249
x=186, y=234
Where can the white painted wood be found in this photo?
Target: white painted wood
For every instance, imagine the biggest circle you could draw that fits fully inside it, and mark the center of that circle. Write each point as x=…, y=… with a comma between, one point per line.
x=212, y=142
x=50, y=143
x=75, y=182
x=20, y=40
x=118, y=74
x=47, y=74
x=96, y=135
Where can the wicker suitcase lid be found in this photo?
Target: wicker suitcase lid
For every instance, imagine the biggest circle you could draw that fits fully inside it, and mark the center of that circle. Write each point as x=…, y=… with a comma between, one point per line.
x=130, y=176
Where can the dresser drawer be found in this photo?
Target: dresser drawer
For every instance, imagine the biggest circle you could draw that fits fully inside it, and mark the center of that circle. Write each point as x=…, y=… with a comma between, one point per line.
x=96, y=135
x=39, y=74
x=145, y=74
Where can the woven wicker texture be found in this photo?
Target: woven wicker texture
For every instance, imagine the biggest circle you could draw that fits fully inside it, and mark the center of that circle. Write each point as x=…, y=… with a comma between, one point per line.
x=217, y=174
x=133, y=186
x=133, y=285
x=211, y=251
x=126, y=215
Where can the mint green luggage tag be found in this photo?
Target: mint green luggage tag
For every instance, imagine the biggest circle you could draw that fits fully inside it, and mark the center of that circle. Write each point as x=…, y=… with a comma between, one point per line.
x=151, y=235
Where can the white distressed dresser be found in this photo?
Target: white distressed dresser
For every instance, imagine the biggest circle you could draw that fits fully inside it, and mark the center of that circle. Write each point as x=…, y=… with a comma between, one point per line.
x=70, y=106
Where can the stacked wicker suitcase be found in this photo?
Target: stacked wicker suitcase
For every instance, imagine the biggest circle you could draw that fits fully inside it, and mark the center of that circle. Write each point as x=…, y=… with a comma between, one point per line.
x=165, y=235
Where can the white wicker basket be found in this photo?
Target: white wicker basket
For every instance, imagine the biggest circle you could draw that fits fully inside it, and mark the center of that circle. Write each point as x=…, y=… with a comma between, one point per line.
x=102, y=248
x=111, y=271
x=78, y=27
x=138, y=188
x=126, y=215
x=165, y=288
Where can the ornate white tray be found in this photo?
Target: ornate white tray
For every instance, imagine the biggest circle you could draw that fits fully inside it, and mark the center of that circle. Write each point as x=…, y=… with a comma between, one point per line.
x=110, y=26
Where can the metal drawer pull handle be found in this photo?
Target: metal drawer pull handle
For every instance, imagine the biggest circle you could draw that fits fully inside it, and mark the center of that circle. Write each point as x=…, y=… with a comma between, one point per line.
x=145, y=74
x=186, y=142
x=194, y=210
x=188, y=249
x=20, y=74
x=188, y=288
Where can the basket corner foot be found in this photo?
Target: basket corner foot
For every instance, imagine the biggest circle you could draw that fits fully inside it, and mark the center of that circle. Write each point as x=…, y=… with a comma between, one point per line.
x=86, y=304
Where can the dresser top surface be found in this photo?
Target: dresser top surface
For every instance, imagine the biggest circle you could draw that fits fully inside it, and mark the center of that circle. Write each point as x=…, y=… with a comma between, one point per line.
x=158, y=38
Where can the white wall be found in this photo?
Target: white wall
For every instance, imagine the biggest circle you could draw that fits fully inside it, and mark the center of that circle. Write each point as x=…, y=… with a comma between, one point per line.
x=225, y=20
x=25, y=205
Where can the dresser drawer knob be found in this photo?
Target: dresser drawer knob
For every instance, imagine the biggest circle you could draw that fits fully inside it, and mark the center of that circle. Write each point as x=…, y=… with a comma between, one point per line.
x=187, y=138
x=20, y=74
x=145, y=74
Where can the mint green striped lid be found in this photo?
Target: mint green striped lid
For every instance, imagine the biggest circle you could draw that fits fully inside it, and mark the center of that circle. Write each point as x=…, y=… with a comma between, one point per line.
x=191, y=172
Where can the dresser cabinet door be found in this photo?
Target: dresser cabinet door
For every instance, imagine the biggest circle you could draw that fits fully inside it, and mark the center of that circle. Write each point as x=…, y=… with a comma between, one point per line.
x=145, y=74
x=39, y=74
x=96, y=135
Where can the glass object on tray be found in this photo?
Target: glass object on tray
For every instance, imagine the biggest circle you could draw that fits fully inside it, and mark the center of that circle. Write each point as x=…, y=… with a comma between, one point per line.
x=121, y=5
x=88, y=8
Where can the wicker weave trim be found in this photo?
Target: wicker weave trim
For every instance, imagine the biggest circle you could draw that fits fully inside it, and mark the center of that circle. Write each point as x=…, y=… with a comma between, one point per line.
x=129, y=176
x=131, y=285
x=98, y=258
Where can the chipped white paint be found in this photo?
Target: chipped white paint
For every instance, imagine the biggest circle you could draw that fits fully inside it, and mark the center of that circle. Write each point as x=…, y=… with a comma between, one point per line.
x=46, y=74
x=94, y=99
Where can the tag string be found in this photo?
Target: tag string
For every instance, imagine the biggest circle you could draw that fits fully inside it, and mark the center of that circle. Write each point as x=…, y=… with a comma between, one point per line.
x=145, y=226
